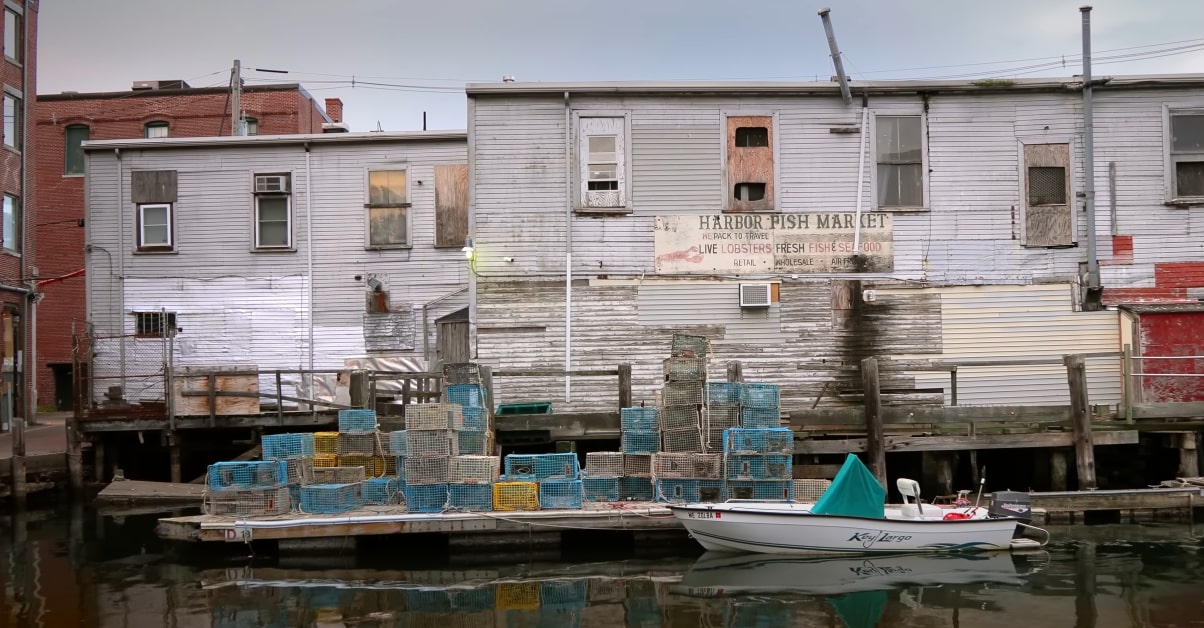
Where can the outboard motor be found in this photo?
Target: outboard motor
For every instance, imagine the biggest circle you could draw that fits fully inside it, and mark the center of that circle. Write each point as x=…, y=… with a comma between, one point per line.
x=1012, y=504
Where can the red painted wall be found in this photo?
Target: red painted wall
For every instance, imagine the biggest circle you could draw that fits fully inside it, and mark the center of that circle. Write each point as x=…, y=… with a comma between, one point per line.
x=60, y=201
x=1171, y=334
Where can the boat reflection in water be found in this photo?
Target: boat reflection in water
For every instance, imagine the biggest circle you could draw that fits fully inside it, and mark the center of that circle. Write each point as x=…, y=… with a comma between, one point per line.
x=855, y=586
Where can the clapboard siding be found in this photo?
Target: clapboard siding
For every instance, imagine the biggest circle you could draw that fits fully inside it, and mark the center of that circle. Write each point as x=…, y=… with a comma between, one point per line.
x=244, y=307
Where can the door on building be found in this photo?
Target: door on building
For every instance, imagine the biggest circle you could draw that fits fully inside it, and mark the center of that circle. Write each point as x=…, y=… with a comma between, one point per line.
x=64, y=386
x=451, y=344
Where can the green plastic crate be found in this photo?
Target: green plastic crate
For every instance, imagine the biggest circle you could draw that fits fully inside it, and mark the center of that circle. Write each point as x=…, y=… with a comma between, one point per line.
x=536, y=407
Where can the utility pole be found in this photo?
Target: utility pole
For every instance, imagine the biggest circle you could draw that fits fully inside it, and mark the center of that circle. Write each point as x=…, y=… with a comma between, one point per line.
x=237, y=125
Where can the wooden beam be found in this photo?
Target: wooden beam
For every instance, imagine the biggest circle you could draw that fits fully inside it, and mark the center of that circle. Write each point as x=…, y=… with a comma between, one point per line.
x=802, y=418
x=735, y=371
x=953, y=443
x=1170, y=410
x=358, y=389
x=873, y=419
x=1080, y=415
x=555, y=373
x=586, y=421
x=624, y=385
x=261, y=395
x=222, y=422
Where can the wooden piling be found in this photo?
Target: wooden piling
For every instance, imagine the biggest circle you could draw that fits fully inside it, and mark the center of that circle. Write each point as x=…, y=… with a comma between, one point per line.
x=874, y=441
x=735, y=371
x=358, y=389
x=1057, y=470
x=487, y=381
x=937, y=467
x=624, y=385
x=98, y=459
x=1080, y=418
x=173, y=444
x=18, y=463
x=1189, y=461
x=1085, y=612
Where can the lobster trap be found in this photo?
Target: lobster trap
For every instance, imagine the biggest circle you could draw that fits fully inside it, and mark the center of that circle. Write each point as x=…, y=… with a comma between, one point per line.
x=434, y=416
x=299, y=470
x=248, y=503
x=758, y=467
x=287, y=446
x=600, y=489
x=357, y=444
x=687, y=466
x=338, y=475
x=561, y=494
x=397, y=443
x=473, y=443
x=723, y=392
x=760, y=418
x=639, y=418
x=475, y=419
x=432, y=443
x=381, y=491
x=636, y=489
x=682, y=441
x=679, y=418
x=747, y=489
x=426, y=497
x=420, y=470
x=470, y=497
x=684, y=369
x=640, y=441
x=677, y=491
x=224, y=476
x=689, y=346
x=637, y=465
x=473, y=469
x=681, y=394
x=326, y=443
x=539, y=467
x=776, y=440
x=467, y=395
x=756, y=395
x=604, y=464
x=357, y=421
x=330, y=499
x=511, y=496
x=809, y=490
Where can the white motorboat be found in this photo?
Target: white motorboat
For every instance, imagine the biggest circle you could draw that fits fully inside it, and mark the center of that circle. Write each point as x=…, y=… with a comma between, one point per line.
x=851, y=517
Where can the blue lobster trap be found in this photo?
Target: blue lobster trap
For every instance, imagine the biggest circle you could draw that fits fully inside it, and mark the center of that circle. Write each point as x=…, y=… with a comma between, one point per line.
x=470, y=497
x=775, y=440
x=677, y=491
x=381, y=491
x=286, y=446
x=426, y=497
x=601, y=489
x=754, y=395
x=636, y=489
x=637, y=418
x=758, y=467
x=760, y=418
x=225, y=476
x=561, y=494
x=467, y=395
x=539, y=467
x=357, y=421
x=640, y=441
x=331, y=499
x=748, y=489
x=475, y=419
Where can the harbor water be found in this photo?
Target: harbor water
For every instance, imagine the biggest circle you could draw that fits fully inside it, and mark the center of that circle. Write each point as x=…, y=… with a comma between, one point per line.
x=77, y=567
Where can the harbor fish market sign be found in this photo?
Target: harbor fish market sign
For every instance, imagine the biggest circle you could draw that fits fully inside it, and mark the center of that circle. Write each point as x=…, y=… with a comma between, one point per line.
x=773, y=243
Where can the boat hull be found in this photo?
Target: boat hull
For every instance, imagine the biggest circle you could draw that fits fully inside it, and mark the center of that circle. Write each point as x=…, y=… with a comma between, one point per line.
x=777, y=530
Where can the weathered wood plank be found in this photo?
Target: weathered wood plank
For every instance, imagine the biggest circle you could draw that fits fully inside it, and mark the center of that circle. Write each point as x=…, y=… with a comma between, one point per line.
x=950, y=443
x=801, y=418
x=451, y=205
x=873, y=419
x=136, y=491
x=581, y=422
x=153, y=186
x=1170, y=410
x=36, y=464
x=1116, y=500
x=555, y=372
x=1080, y=415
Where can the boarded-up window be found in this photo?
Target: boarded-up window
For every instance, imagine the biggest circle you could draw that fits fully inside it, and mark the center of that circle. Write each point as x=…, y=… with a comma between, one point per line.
x=1187, y=153
x=899, y=149
x=1048, y=219
x=388, y=208
x=601, y=151
x=750, y=171
x=451, y=205
x=153, y=186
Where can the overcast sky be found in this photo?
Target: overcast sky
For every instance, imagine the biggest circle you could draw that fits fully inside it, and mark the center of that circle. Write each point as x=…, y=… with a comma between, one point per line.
x=426, y=50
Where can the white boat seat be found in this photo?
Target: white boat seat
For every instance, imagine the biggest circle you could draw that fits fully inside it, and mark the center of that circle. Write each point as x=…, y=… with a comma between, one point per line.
x=917, y=511
x=910, y=490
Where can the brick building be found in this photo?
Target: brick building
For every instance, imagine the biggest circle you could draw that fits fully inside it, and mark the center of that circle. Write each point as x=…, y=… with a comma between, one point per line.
x=150, y=109
x=17, y=73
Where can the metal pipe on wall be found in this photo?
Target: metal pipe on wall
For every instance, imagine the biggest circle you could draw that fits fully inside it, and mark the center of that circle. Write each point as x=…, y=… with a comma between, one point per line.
x=568, y=248
x=1093, y=278
x=861, y=144
x=121, y=236
x=309, y=263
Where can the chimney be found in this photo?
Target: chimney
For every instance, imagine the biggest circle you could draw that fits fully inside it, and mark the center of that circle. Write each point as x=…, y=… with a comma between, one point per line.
x=334, y=109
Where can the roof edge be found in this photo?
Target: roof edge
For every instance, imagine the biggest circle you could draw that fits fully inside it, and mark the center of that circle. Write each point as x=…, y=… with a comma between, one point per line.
x=279, y=140
x=151, y=93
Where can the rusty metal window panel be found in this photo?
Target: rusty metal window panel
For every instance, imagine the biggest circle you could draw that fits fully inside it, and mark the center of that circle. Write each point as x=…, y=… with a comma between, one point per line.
x=1187, y=153
x=154, y=324
x=1046, y=185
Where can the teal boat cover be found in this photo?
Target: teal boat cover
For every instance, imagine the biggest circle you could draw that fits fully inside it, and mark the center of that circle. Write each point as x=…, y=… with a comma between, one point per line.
x=855, y=492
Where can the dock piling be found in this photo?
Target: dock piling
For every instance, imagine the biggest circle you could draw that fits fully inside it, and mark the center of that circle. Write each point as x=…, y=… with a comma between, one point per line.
x=1080, y=418
x=874, y=441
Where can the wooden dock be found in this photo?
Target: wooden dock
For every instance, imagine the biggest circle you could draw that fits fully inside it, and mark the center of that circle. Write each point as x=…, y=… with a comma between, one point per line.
x=138, y=492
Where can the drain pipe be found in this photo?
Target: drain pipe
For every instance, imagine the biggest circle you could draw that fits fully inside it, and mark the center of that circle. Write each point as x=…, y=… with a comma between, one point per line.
x=309, y=264
x=121, y=236
x=861, y=144
x=1091, y=300
x=568, y=248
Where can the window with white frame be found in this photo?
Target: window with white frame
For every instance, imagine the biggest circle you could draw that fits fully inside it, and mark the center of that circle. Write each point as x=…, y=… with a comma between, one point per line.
x=155, y=227
x=603, y=163
x=1187, y=153
x=273, y=212
x=10, y=230
x=156, y=130
x=252, y=126
x=13, y=35
x=899, y=148
x=388, y=208
x=12, y=122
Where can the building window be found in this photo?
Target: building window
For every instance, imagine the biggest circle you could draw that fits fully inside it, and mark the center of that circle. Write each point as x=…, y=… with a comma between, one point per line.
x=12, y=122
x=1187, y=154
x=156, y=130
x=603, y=162
x=1048, y=215
x=388, y=208
x=273, y=212
x=1046, y=185
x=750, y=169
x=252, y=126
x=73, y=150
x=10, y=231
x=154, y=227
x=13, y=40
x=154, y=324
x=900, y=158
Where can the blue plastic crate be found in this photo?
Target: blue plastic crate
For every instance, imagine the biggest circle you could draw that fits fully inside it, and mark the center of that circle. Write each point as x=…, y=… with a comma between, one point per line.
x=640, y=441
x=475, y=419
x=473, y=443
x=760, y=418
x=637, y=489
x=428, y=600
x=470, y=497
x=467, y=395
x=677, y=491
x=561, y=494
x=639, y=419
x=426, y=498
x=357, y=421
x=563, y=594
x=713, y=491
x=330, y=499
x=775, y=440
x=754, y=395
x=381, y=491
x=782, y=490
x=758, y=467
x=397, y=443
x=539, y=467
x=475, y=600
x=285, y=446
x=226, y=476
x=723, y=392
x=601, y=489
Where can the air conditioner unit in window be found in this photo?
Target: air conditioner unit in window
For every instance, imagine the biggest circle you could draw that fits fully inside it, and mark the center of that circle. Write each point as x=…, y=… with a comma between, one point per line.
x=271, y=183
x=756, y=294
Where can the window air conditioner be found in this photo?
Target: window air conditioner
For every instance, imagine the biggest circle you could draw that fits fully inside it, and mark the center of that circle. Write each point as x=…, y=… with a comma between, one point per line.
x=270, y=183
x=755, y=294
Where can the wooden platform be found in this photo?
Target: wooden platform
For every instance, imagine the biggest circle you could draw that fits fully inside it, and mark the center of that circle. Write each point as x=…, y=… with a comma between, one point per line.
x=378, y=520
x=138, y=492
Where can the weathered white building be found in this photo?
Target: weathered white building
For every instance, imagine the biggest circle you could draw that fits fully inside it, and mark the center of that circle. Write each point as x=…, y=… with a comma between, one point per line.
x=276, y=252
x=937, y=220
